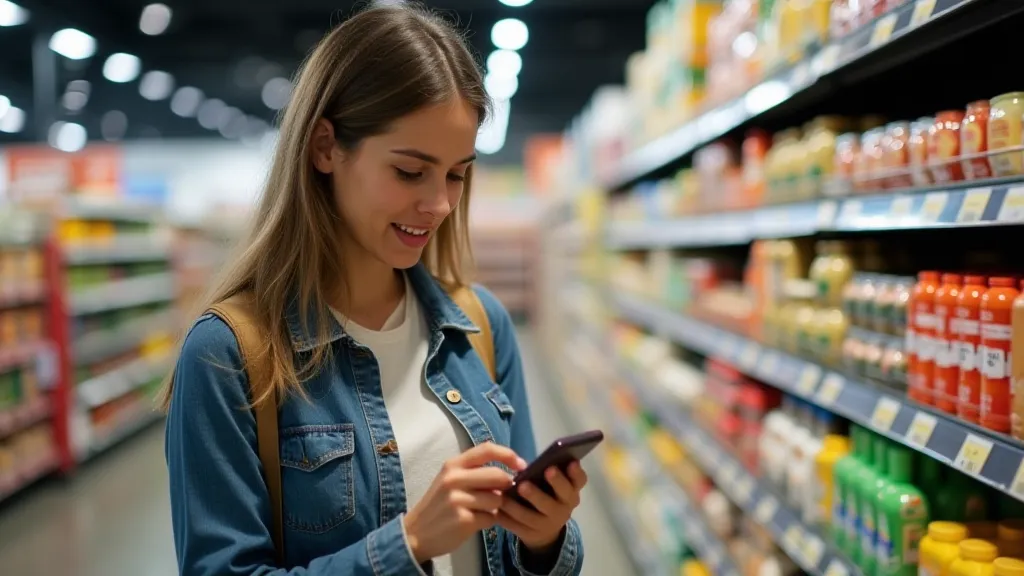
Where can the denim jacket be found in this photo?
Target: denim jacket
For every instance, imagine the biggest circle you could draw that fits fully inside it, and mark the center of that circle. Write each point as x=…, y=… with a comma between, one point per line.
x=343, y=492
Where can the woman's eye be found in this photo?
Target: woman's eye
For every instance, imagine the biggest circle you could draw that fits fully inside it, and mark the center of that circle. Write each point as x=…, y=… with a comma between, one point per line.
x=408, y=176
x=456, y=177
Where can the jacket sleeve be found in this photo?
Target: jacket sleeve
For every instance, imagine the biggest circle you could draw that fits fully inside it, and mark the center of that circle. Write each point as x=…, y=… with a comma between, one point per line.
x=509, y=369
x=220, y=507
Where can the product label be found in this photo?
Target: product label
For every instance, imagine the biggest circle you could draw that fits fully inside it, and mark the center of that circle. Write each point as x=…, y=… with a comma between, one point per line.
x=838, y=508
x=968, y=327
x=946, y=354
x=996, y=331
x=993, y=362
x=911, y=342
x=968, y=356
x=926, y=347
x=924, y=320
x=884, y=547
x=867, y=529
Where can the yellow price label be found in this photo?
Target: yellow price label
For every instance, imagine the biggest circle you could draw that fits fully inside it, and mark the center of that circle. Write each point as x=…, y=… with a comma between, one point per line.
x=808, y=380
x=883, y=30
x=934, y=204
x=1017, y=486
x=769, y=363
x=826, y=59
x=830, y=389
x=836, y=568
x=921, y=429
x=901, y=206
x=813, y=550
x=1012, y=209
x=793, y=539
x=885, y=413
x=973, y=454
x=850, y=210
x=748, y=360
x=975, y=201
x=922, y=12
x=766, y=509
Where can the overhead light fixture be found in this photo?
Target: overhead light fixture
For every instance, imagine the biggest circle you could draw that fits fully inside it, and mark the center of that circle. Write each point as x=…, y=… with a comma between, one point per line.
x=515, y=3
x=510, y=34
x=73, y=44
x=11, y=14
x=74, y=101
x=67, y=136
x=210, y=112
x=114, y=125
x=186, y=101
x=155, y=19
x=491, y=137
x=501, y=87
x=13, y=121
x=255, y=130
x=276, y=93
x=5, y=105
x=121, y=67
x=156, y=85
x=504, y=63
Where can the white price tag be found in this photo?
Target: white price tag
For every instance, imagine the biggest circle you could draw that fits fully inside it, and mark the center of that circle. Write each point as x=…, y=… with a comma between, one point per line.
x=921, y=429
x=793, y=540
x=748, y=360
x=769, y=365
x=1017, y=486
x=850, y=211
x=813, y=550
x=830, y=389
x=901, y=207
x=922, y=12
x=766, y=509
x=973, y=454
x=975, y=201
x=827, y=213
x=1012, y=209
x=827, y=59
x=744, y=490
x=808, y=380
x=885, y=413
x=836, y=568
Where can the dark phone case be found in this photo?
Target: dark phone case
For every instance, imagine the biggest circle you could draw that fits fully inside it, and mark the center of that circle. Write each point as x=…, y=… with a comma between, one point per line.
x=561, y=453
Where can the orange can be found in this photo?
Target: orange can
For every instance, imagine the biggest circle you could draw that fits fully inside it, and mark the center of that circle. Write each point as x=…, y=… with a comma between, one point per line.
x=947, y=367
x=944, y=146
x=968, y=316
x=996, y=335
x=921, y=339
x=974, y=140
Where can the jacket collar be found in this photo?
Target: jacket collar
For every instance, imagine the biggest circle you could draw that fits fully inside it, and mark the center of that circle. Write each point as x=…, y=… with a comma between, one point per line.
x=439, y=310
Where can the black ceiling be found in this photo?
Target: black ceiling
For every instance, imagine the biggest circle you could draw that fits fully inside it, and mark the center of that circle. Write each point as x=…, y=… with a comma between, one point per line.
x=574, y=47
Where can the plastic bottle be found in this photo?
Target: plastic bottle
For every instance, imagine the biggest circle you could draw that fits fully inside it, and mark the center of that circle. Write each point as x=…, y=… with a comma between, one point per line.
x=996, y=334
x=865, y=490
x=796, y=464
x=1008, y=567
x=694, y=568
x=975, y=558
x=947, y=368
x=940, y=548
x=902, y=516
x=870, y=506
x=921, y=340
x=834, y=448
x=1017, y=367
x=1010, y=538
x=803, y=478
x=843, y=520
x=968, y=313
x=778, y=426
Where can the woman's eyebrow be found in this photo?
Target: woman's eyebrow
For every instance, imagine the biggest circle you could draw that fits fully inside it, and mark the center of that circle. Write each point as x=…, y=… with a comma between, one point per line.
x=412, y=153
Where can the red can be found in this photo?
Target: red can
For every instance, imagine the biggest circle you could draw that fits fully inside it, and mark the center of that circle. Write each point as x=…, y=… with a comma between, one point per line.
x=974, y=140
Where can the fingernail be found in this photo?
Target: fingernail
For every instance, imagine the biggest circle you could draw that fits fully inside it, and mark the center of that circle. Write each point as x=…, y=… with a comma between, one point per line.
x=521, y=463
x=525, y=489
x=550, y=473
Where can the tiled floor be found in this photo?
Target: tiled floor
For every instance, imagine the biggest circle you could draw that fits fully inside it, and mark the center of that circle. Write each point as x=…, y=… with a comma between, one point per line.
x=112, y=518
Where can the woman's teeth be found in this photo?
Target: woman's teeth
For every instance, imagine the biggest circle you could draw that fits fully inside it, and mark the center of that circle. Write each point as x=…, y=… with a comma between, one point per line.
x=412, y=231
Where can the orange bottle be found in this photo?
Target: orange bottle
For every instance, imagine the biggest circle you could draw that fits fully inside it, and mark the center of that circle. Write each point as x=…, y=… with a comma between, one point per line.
x=1017, y=366
x=947, y=367
x=968, y=316
x=996, y=334
x=921, y=340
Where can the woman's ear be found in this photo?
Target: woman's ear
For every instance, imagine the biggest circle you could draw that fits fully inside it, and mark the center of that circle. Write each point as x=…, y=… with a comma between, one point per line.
x=323, y=147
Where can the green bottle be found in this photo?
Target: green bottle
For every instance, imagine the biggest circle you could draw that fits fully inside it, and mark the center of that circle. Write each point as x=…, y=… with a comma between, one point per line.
x=871, y=486
x=902, y=518
x=1009, y=508
x=862, y=487
x=846, y=528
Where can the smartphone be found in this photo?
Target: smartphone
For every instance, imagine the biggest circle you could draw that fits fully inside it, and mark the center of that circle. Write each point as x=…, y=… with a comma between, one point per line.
x=560, y=453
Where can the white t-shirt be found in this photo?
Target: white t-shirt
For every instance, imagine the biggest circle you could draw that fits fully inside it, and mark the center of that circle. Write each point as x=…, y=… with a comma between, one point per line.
x=426, y=432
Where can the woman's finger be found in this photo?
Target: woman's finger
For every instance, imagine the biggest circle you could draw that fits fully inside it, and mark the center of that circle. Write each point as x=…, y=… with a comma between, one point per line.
x=521, y=513
x=578, y=476
x=482, y=478
x=479, y=500
x=562, y=486
x=544, y=504
x=514, y=526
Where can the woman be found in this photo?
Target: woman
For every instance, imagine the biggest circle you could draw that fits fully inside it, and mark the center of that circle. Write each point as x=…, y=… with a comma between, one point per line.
x=388, y=421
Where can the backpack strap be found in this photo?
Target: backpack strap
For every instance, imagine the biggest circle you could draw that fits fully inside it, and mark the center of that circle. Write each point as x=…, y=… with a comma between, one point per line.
x=483, y=341
x=236, y=312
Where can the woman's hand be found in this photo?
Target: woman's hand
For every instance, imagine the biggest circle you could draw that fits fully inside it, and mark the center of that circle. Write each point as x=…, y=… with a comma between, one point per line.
x=541, y=528
x=463, y=499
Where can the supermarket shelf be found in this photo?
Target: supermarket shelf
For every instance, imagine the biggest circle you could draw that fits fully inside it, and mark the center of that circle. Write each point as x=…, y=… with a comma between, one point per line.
x=965, y=204
x=124, y=249
x=26, y=414
x=115, y=210
x=802, y=543
x=643, y=558
x=17, y=356
x=112, y=385
x=992, y=458
x=907, y=31
x=132, y=424
x=103, y=344
x=28, y=474
x=120, y=294
x=23, y=294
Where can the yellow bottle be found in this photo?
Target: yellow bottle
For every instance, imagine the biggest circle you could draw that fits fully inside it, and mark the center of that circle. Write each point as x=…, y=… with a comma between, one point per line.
x=1010, y=538
x=975, y=559
x=1008, y=567
x=694, y=568
x=833, y=448
x=940, y=548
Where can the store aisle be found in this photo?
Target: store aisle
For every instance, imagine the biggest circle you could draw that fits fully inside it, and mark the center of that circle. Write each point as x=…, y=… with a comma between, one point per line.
x=113, y=519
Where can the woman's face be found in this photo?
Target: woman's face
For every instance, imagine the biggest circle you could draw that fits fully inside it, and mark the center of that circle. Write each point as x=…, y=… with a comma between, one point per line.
x=394, y=190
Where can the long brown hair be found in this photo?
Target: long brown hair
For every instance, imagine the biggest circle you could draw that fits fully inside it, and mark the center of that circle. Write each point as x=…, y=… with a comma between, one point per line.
x=378, y=66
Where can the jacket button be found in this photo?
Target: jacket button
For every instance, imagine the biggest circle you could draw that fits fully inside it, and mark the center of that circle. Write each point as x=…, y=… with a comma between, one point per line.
x=492, y=534
x=389, y=447
x=454, y=396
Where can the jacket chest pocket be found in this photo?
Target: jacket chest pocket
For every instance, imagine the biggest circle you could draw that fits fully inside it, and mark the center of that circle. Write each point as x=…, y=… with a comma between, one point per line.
x=504, y=412
x=316, y=474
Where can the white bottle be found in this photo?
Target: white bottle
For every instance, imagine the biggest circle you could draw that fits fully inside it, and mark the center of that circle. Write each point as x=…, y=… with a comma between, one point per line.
x=778, y=425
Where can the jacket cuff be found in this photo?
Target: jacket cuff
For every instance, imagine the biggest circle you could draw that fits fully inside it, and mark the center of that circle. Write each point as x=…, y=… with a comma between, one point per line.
x=570, y=555
x=390, y=553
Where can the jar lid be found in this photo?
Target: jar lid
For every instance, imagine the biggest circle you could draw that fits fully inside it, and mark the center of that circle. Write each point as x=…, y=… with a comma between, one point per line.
x=975, y=279
x=947, y=531
x=928, y=276
x=952, y=279
x=1002, y=282
x=1008, y=567
x=978, y=550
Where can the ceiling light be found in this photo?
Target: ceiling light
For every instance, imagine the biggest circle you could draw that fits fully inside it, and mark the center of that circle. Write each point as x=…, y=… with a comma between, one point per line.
x=11, y=14
x=491, y=137
x=504, y=63
x=155, y=19
x=5, y=105
x=13, y=121
x=510, y=34
x=209, y=113
x=114, y=125
x=67, y=136
x=73, y=44
x=74, y=101
x=156, y=85
x=255, y=130
x=233, y=125
x=515, y=3
x=501, y=87
x=186, y=101
x=82, y=86
x=121, y=67
x=276, y=93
